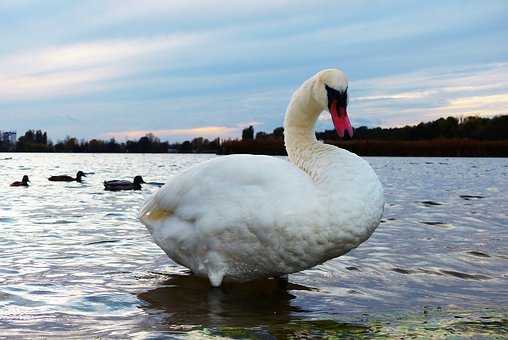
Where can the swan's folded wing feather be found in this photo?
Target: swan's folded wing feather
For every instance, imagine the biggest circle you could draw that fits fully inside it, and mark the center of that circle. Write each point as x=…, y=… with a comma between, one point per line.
x=229, y=190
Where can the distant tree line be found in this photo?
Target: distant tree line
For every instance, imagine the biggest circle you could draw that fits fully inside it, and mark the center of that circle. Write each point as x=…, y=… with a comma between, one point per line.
x=495, y=128
x=33, y=140
x=197, y=145
x=37, y=141
x=470, y=136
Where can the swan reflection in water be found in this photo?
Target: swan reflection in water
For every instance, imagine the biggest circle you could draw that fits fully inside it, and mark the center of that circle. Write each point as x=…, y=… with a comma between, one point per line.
x=191, y=300
x=187, y=302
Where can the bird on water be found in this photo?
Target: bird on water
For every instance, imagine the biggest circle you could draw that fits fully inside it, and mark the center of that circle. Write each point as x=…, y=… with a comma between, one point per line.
x=119, y=185
x=244, y=217
x=67, y=178
x=23, y=183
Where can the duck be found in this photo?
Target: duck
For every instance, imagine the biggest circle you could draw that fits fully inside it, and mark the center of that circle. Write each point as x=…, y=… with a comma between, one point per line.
x=246, y=217
x=67, y=178
x=117, y=185
x=22, y=183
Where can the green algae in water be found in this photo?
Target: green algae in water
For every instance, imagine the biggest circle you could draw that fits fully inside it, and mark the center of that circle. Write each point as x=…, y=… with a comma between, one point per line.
x=431, y=323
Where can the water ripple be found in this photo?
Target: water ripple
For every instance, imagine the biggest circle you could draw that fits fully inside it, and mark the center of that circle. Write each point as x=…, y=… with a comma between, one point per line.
x=75, y=262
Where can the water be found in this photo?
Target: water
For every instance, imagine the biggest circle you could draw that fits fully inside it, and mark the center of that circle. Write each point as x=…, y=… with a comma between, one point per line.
x=75, y=262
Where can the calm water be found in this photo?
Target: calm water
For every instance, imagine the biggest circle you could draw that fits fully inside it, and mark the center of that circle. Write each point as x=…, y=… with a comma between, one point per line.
x=74, y=261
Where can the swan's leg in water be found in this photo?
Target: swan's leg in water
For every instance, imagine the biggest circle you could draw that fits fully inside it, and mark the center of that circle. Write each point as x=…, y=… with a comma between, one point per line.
x=216, y=268
x=216, y=278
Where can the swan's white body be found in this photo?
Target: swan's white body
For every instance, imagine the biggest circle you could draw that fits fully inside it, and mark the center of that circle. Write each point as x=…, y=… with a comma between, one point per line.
x=244, y=217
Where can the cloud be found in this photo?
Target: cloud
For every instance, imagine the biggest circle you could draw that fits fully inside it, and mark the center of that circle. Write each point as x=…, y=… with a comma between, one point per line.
x=174, y=65
x=486, y=105
x=60, y=84
x=428, y=94
x=478, y=101
x=73, y=69
x=181, y=11
x=202, y=131
x=10, y=4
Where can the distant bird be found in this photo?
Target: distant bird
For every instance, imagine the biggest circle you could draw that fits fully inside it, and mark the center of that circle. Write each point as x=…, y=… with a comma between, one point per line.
x=67, y=178
x=23, y=183
x=118, y=185
x=245, y=217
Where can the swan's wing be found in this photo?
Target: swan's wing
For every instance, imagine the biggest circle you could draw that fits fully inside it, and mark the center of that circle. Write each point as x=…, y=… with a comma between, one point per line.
x=241, y=201
x=231, y=187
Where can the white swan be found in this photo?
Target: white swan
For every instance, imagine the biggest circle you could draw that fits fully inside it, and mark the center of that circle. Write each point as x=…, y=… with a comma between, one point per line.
x=243, y=217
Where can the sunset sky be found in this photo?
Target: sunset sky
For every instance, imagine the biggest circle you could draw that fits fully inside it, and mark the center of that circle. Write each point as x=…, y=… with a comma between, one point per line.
x=180, y=69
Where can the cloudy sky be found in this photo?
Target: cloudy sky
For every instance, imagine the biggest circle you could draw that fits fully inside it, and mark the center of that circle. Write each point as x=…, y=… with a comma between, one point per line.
x=186, y=68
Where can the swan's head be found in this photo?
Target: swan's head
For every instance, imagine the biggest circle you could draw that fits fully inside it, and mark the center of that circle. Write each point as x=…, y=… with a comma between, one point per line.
x=330, y=91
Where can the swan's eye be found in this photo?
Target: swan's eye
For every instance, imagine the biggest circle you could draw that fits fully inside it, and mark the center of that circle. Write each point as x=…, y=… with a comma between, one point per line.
x=334, y=95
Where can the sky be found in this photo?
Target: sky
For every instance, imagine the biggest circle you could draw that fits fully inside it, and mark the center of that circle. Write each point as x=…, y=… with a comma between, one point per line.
x=181, y=69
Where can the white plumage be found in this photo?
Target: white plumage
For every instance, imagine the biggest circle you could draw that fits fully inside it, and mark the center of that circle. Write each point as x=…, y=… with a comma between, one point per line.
x=244, y=217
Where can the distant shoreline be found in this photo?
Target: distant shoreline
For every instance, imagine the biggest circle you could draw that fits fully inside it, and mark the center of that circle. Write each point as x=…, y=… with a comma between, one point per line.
x=445, y=137
x=395, y=148
x=362, y=147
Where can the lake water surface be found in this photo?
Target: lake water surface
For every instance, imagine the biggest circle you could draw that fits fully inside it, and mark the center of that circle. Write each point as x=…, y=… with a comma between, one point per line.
x=75, y=262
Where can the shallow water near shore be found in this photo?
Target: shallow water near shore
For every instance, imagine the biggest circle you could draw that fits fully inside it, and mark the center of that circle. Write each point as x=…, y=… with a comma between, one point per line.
x=75, y=262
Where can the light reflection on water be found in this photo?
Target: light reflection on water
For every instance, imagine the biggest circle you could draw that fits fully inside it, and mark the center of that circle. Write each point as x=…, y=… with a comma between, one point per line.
x=76, y=262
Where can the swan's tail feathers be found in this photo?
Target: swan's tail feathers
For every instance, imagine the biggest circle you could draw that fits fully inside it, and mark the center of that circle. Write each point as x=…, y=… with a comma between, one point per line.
x=152, y=212
x=147, y=206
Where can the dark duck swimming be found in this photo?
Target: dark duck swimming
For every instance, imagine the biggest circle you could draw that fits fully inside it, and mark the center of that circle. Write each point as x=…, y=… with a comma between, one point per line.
x=117, y=185
x=22, y=183
x=67, y=178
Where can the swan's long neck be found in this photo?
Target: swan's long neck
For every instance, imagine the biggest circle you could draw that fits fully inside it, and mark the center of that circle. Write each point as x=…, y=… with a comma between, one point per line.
x=299, y=133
